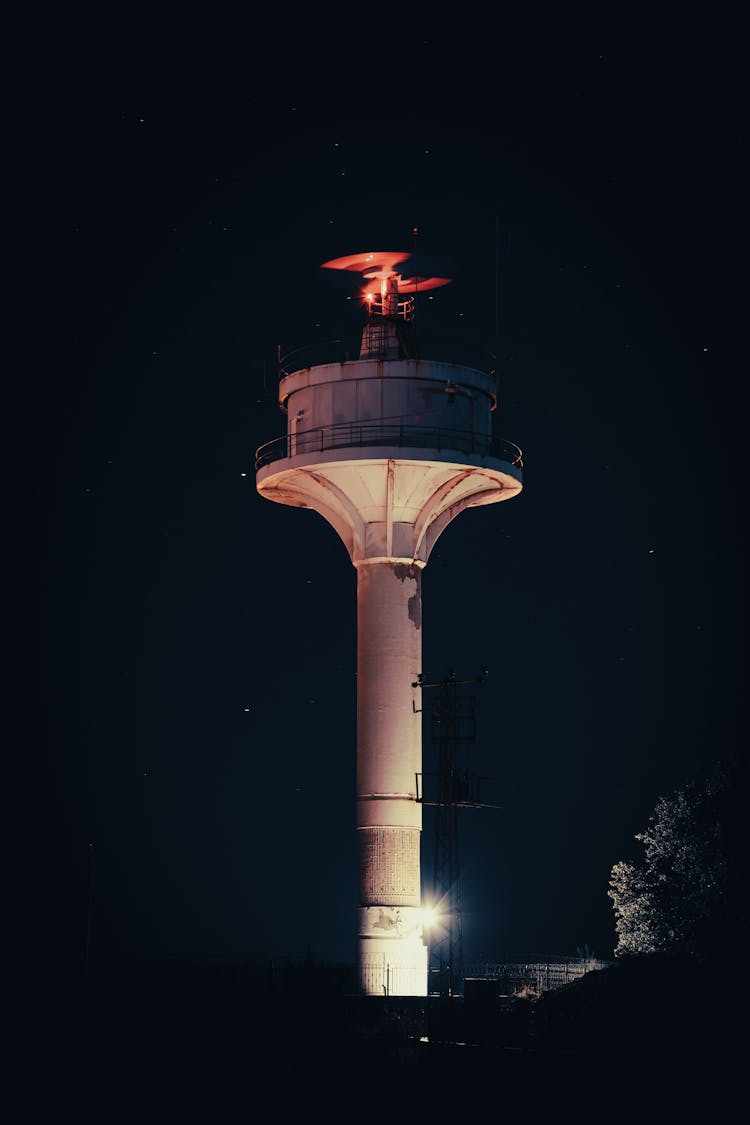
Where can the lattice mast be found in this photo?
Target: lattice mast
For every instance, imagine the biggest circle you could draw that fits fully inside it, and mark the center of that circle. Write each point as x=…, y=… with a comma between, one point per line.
x=453, y=732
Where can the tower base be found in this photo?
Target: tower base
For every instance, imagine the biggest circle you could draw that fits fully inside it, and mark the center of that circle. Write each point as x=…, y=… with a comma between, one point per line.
x=393, y=966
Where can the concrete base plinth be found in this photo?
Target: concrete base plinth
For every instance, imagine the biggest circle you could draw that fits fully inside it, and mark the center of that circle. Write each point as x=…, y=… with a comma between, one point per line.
x=393, y=966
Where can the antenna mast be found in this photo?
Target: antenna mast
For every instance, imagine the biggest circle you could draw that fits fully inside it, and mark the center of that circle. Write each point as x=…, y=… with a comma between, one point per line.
x=453, y=727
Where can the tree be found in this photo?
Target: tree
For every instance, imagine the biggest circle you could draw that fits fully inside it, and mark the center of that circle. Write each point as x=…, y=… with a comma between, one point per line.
x=688, y=895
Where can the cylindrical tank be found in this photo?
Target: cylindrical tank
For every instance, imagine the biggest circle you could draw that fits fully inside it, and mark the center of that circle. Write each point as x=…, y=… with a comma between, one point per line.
x=388, y=393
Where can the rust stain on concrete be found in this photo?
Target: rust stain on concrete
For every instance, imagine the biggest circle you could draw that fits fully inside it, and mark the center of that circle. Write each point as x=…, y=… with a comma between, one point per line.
x=408, y=570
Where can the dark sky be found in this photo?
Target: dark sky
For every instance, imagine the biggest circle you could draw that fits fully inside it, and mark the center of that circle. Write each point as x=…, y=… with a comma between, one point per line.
x=179, y=181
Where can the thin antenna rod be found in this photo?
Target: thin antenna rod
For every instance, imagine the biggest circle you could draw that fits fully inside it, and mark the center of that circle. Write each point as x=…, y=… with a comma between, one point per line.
x=89, y=908
x=415, y=232
x=497, y=284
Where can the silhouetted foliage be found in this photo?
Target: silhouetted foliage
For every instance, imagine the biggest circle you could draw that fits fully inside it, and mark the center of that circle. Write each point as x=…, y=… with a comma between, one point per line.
x=688, y=895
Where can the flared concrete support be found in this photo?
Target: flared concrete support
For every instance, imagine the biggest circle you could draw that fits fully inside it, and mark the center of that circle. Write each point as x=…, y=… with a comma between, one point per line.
x=388, y=507
x=392, y=954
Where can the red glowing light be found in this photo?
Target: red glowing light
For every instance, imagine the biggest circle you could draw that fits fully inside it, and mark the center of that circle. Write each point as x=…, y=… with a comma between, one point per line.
x=411, y=284
x=377, y=268
x=372, y=260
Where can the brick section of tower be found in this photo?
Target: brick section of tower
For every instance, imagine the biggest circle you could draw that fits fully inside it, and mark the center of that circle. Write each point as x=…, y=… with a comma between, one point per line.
x=389, y=866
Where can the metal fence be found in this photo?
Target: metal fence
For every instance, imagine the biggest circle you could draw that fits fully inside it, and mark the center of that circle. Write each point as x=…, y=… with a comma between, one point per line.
x=516, y=978
x=358, y=435
x=347, y=350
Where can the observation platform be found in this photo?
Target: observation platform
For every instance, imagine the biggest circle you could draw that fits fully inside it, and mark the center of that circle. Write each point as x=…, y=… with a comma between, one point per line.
x=403, y=439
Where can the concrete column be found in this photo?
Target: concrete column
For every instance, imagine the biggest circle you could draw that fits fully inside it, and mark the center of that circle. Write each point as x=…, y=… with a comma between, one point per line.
x=392, y=954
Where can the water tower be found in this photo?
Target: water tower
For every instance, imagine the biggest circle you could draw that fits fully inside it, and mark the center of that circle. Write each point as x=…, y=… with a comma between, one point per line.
x=388, y=439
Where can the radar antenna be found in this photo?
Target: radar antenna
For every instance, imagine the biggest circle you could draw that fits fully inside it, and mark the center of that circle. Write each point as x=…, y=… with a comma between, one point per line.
x=384, y=284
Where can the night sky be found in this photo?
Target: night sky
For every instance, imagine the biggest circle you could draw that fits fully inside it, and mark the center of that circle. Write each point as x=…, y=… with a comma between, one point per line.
x=186, y=649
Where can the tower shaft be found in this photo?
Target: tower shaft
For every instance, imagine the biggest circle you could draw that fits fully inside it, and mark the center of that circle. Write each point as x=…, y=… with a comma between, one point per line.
x=392, y=955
